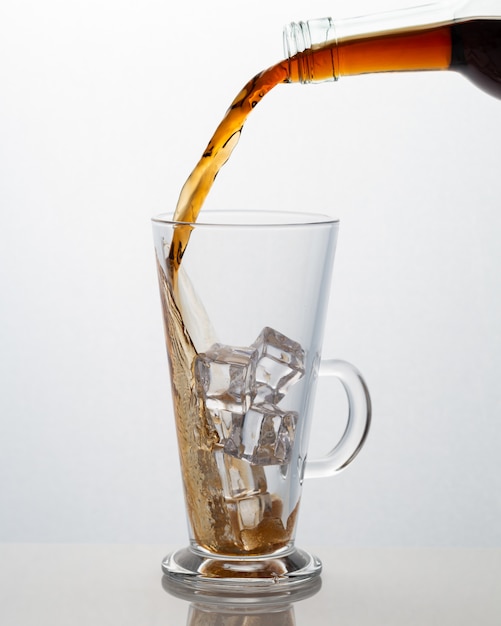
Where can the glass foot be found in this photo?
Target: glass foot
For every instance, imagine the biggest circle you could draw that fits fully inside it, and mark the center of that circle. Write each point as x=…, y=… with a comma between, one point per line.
x=272, y=575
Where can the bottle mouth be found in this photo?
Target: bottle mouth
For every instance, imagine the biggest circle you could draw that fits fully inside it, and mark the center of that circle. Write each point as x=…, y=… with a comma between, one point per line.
x=301, y=36
x=296, y=38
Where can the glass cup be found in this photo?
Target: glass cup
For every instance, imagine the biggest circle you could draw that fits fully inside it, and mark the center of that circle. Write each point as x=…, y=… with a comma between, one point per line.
x=244, y=301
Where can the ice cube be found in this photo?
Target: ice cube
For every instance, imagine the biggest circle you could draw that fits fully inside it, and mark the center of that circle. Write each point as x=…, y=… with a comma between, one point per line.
x=241, y=387
x=239, y=478
x=225, y=377
x=251, y=510
x=225, y=423
x=228, y=426
x=266, y=436
x=285, y=438
x=280, y=364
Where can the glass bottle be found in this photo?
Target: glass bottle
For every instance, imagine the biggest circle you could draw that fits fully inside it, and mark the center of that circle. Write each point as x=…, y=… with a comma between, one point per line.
x=464, y=36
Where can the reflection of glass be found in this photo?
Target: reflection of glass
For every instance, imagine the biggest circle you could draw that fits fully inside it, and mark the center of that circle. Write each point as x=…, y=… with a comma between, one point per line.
x=223, y=609
x=204, y=615
x=244, y=314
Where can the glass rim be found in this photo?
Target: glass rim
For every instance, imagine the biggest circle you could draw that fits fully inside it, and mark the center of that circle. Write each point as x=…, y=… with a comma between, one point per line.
x=250, y=219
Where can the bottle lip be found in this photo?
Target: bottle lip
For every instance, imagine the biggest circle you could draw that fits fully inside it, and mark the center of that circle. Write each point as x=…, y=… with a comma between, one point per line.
x=301, y=36
x=297, y=38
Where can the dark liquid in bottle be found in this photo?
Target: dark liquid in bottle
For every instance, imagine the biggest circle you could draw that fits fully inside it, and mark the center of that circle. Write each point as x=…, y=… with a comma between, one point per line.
x=472, y=47
x=476, y=53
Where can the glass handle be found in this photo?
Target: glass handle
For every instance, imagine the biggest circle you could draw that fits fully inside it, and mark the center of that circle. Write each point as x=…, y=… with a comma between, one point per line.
x=357, y=427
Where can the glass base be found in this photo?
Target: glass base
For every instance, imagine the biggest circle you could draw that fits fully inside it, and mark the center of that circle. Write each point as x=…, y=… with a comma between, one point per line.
x=271, y=575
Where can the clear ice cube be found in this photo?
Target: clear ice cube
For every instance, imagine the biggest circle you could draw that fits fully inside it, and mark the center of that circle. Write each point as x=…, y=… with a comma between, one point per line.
x=266, y=436
x=239, y=479
x=226, y=424
x=285, y=438
x=241, y=388
x=280, y=364
x=251, y=510
x=244, y=488
x=225, y=377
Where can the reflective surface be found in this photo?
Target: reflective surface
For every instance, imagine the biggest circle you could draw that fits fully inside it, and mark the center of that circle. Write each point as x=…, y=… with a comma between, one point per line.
x=123, y=584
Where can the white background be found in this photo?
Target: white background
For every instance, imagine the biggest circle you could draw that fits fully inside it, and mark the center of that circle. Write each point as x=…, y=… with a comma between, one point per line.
x=105, y=107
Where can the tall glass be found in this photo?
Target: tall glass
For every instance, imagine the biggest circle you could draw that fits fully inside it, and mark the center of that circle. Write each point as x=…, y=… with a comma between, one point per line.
x=244, y=312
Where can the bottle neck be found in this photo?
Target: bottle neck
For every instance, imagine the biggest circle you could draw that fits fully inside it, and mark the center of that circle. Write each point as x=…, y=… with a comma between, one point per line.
x=300, y=39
